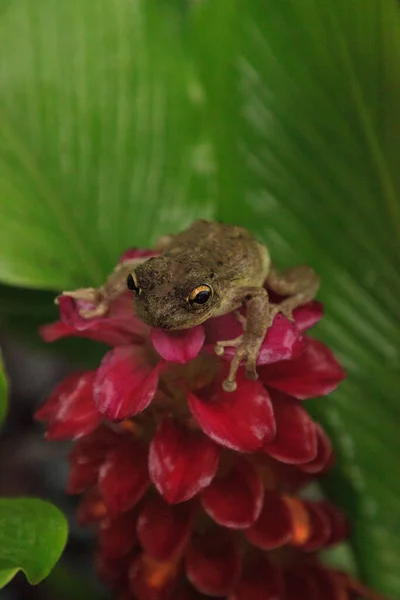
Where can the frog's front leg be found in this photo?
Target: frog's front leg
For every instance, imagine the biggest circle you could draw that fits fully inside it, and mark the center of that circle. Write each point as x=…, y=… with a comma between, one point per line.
x=258, y=319
x=101, y=297
x=93, y=296
x=301, y=284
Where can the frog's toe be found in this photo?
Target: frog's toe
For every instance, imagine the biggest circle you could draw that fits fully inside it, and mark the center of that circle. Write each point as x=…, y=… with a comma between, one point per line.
x=220, y=346
x=91, y=303
x=219, y=350
x=98, y=311
x=86, y=294
x=288, y=313
x=229, y=386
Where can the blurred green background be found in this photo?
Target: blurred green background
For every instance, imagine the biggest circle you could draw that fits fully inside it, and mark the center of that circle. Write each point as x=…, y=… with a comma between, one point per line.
x=123, y=120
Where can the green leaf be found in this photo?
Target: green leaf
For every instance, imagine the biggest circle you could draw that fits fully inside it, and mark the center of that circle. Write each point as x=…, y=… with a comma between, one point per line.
x=6, y=575
x=101, y=139
x=304, y=101
x=120, y=122
x=33, y=534
x=3, y=392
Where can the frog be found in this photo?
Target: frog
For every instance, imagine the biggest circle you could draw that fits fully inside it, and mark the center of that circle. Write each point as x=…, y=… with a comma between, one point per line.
x=206, y=271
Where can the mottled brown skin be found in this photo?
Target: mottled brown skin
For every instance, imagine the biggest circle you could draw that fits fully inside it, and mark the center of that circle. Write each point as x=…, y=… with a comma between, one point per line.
x=233, y=264
x=208, y=253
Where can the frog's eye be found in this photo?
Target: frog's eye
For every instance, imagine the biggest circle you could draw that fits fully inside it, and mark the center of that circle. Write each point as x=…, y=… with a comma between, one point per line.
x=132, y=283
x=200, y=296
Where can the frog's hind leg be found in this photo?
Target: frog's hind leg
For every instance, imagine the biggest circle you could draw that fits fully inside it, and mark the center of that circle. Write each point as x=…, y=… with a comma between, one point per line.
x=301, y=284
x=164, y=242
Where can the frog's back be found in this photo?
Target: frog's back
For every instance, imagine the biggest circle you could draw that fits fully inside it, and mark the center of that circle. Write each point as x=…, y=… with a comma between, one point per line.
x=230, y=250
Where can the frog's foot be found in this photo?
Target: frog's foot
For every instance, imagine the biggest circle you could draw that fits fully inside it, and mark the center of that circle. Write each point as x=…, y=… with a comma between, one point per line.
x=220, y=346
x=98, y=311
x=285, y=308
x=245, y=351
x=93, y=296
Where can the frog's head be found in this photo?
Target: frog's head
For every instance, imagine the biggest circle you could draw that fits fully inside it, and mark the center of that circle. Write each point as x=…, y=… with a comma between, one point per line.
x=171, y=294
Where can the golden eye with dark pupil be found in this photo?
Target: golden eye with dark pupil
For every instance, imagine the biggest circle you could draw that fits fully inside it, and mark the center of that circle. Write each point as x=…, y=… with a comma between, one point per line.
x=200, y=295
x=132, y=283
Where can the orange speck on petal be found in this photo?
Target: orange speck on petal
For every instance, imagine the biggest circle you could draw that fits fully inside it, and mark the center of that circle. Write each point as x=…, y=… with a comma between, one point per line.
x=342, y=594
x=300, y=520
x=158, y=574
x=98, y=509
x=130, y=426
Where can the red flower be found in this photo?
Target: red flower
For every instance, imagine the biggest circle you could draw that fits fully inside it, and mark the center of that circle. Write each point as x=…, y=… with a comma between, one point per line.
x=182, y=462
x=182, y=512
x=70, y=410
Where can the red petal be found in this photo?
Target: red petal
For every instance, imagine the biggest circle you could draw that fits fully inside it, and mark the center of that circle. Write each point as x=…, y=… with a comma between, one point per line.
x=225, y=327
x=93, y=447
x=117, y=535
x=55, y=331
x=299, y=586
x=181, y=462
x=91, y=507
x=323, y=582
x=340, y=529
x=282, y=341
x=86, y=458
x=315, y=372
x=81, y=477
x=118, y=327
x=320, y=527
x=324, y=453
x=235, y=499
x=125, y=383
x=213, y=563
x=70, y=409
x=72, y=390
x=296, y=438
x=113, y=571
x=294, y=479
x=187, y=592
x=164, y=529
x=123, y=478
x=152, y=580
x=242, y=420
x=136, y=253
x=178, y=346
x=260, y=581
x=274, y=525
x=308, y=315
